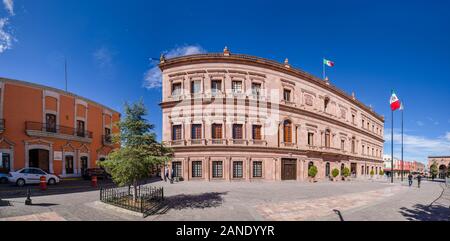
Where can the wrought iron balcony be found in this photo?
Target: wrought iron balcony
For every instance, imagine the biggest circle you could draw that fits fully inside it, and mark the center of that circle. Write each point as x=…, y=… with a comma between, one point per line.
x=56, y=131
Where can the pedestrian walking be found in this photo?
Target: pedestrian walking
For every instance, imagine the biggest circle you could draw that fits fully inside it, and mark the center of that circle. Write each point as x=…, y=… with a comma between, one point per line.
x=166, y=173
x=410, y=179
x=172, y=175
x=419, y=179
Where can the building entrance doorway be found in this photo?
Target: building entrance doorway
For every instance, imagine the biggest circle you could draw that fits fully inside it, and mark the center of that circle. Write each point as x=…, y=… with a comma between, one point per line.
x=288, y=169
x=39, y=158
x=84, y=164
x=353, y=169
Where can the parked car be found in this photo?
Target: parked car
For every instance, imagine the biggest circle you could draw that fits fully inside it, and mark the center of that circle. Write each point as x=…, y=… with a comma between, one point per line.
x=31, y=175
x=3, y=178
x=99, y=172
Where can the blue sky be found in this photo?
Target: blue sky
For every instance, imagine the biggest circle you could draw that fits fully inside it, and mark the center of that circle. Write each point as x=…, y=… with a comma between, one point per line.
x=377, y=46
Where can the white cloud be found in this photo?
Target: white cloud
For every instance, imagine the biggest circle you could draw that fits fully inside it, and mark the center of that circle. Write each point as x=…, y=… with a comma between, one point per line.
x=418, y=147
x=6, y=38
x=153, y=77
x=9, y=6
x=103, y=57
x=420, y=123
x=447, y=136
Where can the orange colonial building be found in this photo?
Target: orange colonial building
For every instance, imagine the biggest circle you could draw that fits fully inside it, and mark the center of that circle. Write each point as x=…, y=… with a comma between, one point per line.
x=57, y=131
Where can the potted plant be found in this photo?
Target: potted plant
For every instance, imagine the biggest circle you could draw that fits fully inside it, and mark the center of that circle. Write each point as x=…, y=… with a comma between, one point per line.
x=345, y=173
x=312, y=172
x=381, y=173
x=372, y=173
x=334, y=174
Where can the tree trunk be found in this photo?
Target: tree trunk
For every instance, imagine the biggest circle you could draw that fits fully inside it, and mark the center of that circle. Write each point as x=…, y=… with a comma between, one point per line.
x=135, y=197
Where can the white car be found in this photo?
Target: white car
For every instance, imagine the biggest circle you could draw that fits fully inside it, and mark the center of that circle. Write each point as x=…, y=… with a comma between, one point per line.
x=31, y=175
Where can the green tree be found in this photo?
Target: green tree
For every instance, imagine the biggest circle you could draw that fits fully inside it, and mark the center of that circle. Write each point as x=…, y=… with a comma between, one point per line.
x=139, y=152
x=372, y=173
x=434, y=170
x=346, y=172
x=335, y=172
x=312, y=172
x=381, y=172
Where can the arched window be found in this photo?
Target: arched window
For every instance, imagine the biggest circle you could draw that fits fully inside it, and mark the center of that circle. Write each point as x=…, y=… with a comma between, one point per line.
x=342, y=168
x=287, y=131
x=362, y=170
x=327, y=169
x=327, y=138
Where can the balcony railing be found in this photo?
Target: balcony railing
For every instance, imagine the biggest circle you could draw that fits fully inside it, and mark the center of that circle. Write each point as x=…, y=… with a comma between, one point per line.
x=238, y=141
x=177, y=142
x=2, y=124
x=217, y=141
x=56, y=129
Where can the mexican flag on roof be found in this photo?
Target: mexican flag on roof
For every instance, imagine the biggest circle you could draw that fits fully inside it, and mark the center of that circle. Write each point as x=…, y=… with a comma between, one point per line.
x=328, y=63
x=395, y=102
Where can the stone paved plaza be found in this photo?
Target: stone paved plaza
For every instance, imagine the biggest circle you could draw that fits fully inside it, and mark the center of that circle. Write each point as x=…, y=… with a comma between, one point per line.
x=355, y=200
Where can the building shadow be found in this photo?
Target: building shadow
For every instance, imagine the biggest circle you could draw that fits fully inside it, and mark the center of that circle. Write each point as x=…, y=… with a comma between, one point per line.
x=8, y=191
x=183, y=201
x=44, y=204
x=420, y=212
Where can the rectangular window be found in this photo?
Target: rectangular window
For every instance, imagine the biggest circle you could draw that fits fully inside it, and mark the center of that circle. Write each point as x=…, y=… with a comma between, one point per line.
x=362, y=125
x=237, y=169
x=5, y=163
x=311, y=139
x=177, y=171
x=287, y=95
x=353, y=146
x=217, y=169
x=216, y=86
x=50, y=122
x=342, y=145
x=195, y=86
x=197, y=169
x=256, y=89
x=176, y=89
x=237, y=132
x=80, y=128
x=176, y=132
x=216, y=131
x=353, y=118
x=327, y=139
x=236, y=87
x=196, y=132
x=257, y=169
x=108, y=138
x=363, y=149
x=256, y=132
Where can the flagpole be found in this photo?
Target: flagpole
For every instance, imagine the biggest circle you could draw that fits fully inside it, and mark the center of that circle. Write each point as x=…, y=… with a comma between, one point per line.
x=392, y=146
x=402, y=141
x=323, y=68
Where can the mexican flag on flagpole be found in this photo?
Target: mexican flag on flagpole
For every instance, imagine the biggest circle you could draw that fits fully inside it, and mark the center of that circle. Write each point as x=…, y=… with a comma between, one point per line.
x=328, y=63
x=395, y=102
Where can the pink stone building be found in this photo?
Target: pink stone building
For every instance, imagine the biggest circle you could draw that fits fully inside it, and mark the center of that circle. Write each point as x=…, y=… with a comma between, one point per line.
x=238, y=117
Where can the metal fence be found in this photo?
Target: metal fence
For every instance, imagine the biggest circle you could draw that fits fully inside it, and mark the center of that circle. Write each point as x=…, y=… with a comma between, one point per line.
x=148, y=200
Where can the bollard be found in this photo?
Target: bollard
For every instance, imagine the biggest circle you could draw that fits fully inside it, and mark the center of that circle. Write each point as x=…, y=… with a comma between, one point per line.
x=43, y=182
x=28, y=200
x=94, y=181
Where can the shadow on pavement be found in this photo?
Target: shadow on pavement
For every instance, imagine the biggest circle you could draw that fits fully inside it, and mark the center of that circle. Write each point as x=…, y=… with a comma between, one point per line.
x=65, y=187
x=194, y=201
x=4, y=203
x=422, y=212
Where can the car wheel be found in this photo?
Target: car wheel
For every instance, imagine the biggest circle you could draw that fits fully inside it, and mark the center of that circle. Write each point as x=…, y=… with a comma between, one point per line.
x=20, y=182
x=51, y=181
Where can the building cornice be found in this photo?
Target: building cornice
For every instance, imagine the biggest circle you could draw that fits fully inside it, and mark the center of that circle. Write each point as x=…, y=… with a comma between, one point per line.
x=265, y=63
x=48, y=88
x=277, y=150
x=290, y=109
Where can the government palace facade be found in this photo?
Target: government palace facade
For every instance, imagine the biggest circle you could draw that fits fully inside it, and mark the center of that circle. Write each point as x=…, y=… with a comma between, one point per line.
x=239, y=117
